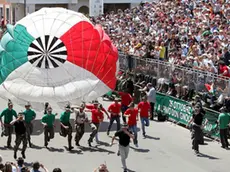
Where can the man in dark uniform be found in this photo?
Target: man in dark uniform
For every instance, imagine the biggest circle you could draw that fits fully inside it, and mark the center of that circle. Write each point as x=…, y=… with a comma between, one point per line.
x=196, y=120
x=20, y=130
x=48, y=122
x=30, y=115
x=80, y=120
x=8, y=114
x=198, y=102
x=66, y=128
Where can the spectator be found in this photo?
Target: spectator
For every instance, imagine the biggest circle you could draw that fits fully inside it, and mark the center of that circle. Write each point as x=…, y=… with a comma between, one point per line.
x=20, y=163
x=37, y=166
x=57, y=170
x=158, y=30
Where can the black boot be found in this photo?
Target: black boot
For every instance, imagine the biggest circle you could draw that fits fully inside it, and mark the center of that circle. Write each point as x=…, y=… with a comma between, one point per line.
x=89, y=143
x=15, y=155
x=23, y=155
x=30, y=144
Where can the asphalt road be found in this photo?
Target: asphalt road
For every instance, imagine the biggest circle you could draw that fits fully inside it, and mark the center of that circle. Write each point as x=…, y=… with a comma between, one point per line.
x=167, y=148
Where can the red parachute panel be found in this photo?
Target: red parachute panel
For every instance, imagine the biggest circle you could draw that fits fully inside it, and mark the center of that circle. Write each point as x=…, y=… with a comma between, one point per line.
x=90, y=48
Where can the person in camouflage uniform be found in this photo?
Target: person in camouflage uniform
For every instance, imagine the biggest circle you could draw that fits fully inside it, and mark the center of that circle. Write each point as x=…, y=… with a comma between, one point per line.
x=80, y=120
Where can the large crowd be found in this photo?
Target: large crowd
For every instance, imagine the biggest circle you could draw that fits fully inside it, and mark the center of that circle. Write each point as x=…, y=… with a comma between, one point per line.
x=191, y=33
x=186, y=33
x=21, y=166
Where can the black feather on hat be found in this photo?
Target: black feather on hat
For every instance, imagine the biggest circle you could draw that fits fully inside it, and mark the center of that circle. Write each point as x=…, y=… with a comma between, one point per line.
x=9, y=102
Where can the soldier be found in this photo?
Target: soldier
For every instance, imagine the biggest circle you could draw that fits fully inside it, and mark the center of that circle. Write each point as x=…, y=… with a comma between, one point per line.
x=66, y=128
x=30, y=115
x=48, y=122
x=20, y=130
x=97, y=118
x=114, y=109
x=95, y=106
x=8, y=114
x=80, y=120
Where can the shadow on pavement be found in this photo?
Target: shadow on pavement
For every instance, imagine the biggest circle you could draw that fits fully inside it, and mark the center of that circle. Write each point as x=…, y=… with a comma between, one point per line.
x=52, y=149
x=36, y=147
x=100, y=143
x=95, y=149
x=38, y=127
x=202, y=155
x=152, y=138
x=207, y=139
x=140, y=150
x=3, y=148
x=130, y=170
x=73, y=151
x=204, y=144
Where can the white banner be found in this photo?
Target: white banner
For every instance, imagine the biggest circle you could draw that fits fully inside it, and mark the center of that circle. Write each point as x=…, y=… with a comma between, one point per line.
x=96, y=7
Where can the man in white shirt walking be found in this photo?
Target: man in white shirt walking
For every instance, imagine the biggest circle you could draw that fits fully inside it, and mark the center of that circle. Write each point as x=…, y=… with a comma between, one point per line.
x=151, y=94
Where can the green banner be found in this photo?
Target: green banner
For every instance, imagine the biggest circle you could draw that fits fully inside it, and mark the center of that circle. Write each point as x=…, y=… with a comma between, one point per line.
x=181, y=112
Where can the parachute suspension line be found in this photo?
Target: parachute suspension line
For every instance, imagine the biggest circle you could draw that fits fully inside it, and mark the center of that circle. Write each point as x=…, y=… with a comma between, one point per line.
x=104, y=62
x=72, y=53
x=82, y=51
x=101, y=68
x=96, y=56
x=91, y=40
x=52, y=34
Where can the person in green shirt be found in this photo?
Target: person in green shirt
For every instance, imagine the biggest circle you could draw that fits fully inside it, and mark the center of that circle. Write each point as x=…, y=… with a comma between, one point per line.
x=48, y=122
x=66, y=128
x=8, y=115
x=223, y=121
x=29, y=116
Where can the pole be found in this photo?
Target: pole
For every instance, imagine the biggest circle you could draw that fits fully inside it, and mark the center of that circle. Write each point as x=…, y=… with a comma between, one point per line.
x=24, y=7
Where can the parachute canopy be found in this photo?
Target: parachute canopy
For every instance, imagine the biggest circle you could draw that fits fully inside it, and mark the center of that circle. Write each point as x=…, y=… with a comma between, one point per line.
x=56, y=55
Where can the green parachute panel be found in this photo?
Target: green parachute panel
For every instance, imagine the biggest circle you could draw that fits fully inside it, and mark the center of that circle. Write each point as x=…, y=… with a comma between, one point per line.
x=13, y=50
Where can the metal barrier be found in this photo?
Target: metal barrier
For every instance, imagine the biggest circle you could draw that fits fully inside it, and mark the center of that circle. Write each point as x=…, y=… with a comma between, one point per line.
x=191, y=78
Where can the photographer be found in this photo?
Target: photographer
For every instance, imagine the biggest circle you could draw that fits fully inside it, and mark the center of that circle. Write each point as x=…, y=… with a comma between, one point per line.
x=196, y=120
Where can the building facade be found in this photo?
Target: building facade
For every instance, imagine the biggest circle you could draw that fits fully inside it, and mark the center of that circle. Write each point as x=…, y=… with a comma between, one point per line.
x=83, y=6
x=6, y=11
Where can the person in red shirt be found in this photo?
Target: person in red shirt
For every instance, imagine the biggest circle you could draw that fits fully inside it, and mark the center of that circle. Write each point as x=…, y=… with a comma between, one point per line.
x=223, y=69
x=144, y=109
x=95, y=106
x=114, y=109
x=132, y=114
x=126, y=99
x=97, y=118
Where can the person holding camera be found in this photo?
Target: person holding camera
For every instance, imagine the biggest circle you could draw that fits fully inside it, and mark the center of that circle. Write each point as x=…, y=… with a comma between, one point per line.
x=196, y=120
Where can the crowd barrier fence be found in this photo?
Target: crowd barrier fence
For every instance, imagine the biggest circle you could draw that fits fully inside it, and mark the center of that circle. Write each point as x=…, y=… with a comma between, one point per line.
x=194, y=79
x=178, y=110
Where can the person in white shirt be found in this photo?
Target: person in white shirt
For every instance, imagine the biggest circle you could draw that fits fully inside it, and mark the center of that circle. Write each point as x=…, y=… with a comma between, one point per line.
x=151, y=94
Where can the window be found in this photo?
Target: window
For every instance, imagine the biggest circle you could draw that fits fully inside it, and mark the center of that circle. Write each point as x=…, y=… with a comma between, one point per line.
x=7, y=14
x=1, y=11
